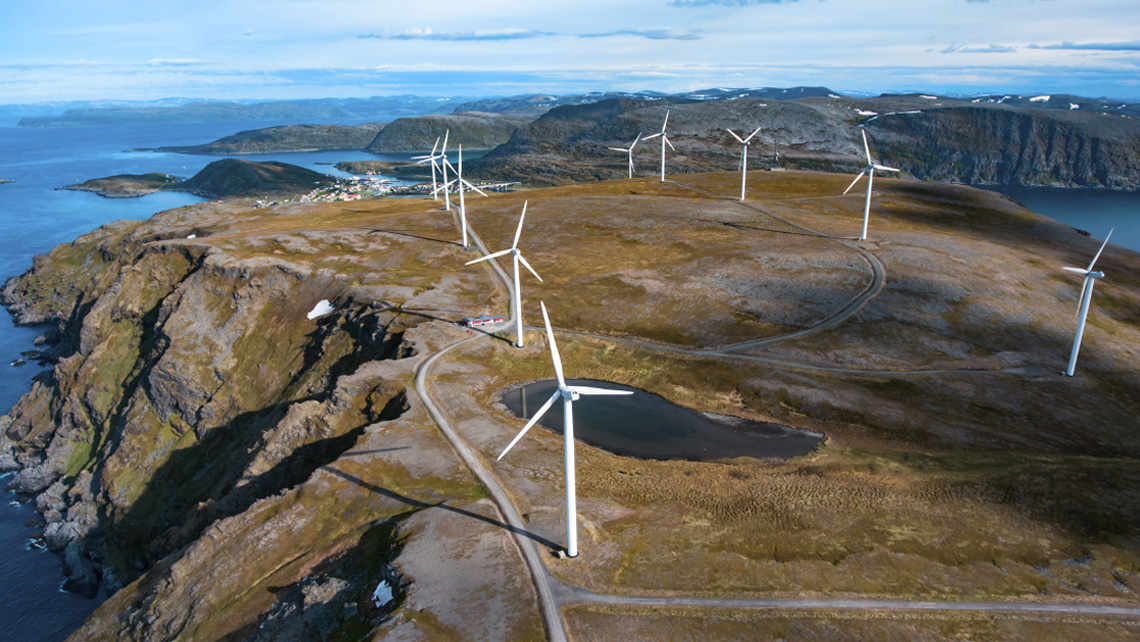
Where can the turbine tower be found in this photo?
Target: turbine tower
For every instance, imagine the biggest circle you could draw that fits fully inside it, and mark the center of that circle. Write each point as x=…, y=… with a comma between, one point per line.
x=518, y=257
x=443, y=166
x=869, y=170
x=1086, y=297
x=569, y=395
x=664, y=141
x=461, y=186
x=629, y=151
x=433, y=158
x=743, y=156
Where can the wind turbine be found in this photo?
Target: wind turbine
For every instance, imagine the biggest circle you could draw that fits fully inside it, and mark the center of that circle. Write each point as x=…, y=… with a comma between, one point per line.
x=518, y=257
x=629, y=151
x=1086, y=297
x=664, y=141
x=569, y=395
x=461, y=186
x=743, y=157
x=869, y=170
x=432, y=158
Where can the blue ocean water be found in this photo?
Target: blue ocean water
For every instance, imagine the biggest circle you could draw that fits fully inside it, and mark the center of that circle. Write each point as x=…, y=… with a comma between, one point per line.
x=1091, y=210
x=34, y=217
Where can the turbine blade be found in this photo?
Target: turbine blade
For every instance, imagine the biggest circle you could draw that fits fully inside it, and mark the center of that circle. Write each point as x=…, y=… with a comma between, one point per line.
x=884, y=167
x=1102, y=246
x=854, y=181
x=473, y=188
x=533, y=420
x=1080, y=271
x=670, y=144
x=489, y=257
x=554, y=356
x=652, y=136
x=734, y=135
x=527, y=266
x=866, y=148
x=433, y=147
x=443, y=187
x=635, y=141
x=752, y=134
x=518, y=231
x=445, y=135
x=588, y=390
x=619, y=149
x=666, y=121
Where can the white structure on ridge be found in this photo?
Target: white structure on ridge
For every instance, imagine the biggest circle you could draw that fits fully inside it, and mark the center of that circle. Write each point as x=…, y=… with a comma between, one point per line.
x=1086, y=297
x=433, y=158
x=629, y=151
x=518, y=257
x=461, y=186
x=569, y=395
x=869, y=170
x=664, y=141
x=743, y=157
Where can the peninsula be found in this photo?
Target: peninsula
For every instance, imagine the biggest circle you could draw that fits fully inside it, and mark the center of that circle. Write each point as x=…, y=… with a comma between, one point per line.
x=228, y=177
x=232, y=468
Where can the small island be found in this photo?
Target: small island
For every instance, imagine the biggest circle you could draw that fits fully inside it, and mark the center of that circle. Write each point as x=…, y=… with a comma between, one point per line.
x=223, y=178
x=6, y=180
x=127, y=185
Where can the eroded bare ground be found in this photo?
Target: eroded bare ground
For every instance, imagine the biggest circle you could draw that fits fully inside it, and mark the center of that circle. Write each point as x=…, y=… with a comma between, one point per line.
x=946, y=486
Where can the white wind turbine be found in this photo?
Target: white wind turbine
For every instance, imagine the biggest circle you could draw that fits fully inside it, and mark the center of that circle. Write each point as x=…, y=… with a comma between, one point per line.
x=743, y=157
x=629, y=151
x=569, y=395
x=1086, y=297
x=869, y=170
x=664, y=141
x=432, y=158
x=461, y=186
x=518, y=257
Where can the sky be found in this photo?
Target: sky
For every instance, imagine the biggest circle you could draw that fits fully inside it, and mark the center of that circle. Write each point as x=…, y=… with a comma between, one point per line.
x=278, y=49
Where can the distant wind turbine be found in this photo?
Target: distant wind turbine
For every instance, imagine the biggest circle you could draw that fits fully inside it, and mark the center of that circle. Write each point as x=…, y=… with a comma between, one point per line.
x=664, y=141
x=518, y=257
x=461, y=186
x=1086, y=297
x=629, y=151
x=433, y=158
x=569, y=395
x=869, y=170
x=743, y=156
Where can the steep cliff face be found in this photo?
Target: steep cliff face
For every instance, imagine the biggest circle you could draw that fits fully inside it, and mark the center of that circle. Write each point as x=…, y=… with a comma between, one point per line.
x=940, y=139
x=224, y=464
x=190, y=385
x=1007, y=146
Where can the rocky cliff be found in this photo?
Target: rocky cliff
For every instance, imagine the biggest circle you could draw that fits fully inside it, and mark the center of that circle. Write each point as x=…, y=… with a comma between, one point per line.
x=192, y=406
x=987, y=145
x=925, y=136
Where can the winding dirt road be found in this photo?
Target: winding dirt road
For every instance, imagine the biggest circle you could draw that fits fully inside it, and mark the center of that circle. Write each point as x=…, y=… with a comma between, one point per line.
x=553, y=593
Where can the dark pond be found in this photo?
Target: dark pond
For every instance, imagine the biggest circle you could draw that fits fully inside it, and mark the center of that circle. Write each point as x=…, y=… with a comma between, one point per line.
x=646, y=426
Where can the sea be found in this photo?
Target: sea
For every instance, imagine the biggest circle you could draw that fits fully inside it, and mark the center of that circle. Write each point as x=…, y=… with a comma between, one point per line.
x=36, y=216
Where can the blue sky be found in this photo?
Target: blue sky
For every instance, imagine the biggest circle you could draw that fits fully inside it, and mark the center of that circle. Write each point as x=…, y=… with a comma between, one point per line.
x=271, y=49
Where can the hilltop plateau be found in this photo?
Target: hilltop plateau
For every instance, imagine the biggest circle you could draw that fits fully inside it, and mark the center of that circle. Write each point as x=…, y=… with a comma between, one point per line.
x=236, y=470
x=288, y=138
